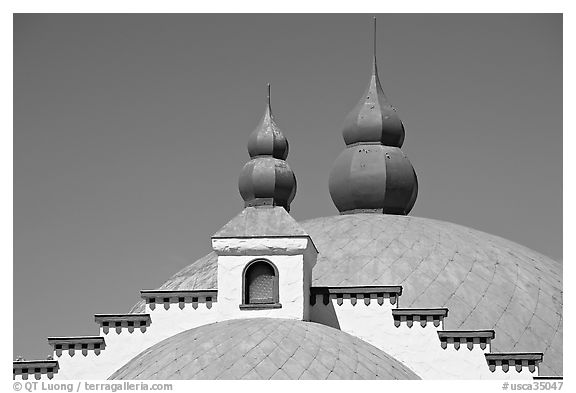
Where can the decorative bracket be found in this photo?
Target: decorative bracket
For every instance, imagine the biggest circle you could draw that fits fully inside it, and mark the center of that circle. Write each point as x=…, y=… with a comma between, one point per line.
x=422, y=315
x=514, y=359
x=84, y=343
x=35, y=367
x=180, y=297
x=123, y=321
x=468, y=337
x=354, y=293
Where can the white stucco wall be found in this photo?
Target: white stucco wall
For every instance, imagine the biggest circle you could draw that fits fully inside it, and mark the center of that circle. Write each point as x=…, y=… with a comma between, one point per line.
x=120, y=348
x=290, y=278
x=293, y=257
x=417, y=347
x=261, y=245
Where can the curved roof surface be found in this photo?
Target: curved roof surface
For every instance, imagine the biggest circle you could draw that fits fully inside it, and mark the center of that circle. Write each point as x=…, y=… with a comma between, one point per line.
x=263, y=348
x=487, y=282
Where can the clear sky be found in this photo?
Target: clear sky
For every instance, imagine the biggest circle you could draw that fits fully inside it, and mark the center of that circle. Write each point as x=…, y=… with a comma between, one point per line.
x=130, y=132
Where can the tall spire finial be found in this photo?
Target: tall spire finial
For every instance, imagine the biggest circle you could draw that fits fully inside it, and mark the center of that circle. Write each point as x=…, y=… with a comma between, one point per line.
x=374, y=119
x=374, y=66
x=269, y=107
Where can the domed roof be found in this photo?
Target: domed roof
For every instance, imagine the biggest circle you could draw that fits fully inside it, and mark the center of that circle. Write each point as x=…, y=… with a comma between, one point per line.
x=263, y=348
x=487, y=282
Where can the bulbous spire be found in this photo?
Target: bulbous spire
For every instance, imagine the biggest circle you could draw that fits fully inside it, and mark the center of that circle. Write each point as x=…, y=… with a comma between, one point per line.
x=373, y=119
x=267, y=139
x=372, y=174
x=267, y=180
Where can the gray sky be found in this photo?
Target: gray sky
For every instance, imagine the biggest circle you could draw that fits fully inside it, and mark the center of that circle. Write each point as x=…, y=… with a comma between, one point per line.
x=130, y=132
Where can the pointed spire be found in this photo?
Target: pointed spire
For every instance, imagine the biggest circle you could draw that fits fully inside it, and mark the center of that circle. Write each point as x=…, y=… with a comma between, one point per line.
x=374, y=62
x=268, y=106
x=267, y=139
x=374, y=119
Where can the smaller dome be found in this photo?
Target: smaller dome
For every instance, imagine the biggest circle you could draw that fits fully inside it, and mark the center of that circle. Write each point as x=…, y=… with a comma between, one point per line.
x=267, y=180
x=263, y=348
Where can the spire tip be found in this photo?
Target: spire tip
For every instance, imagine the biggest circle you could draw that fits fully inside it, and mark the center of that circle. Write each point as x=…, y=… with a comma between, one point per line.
x=268, y=96
x=374, y=68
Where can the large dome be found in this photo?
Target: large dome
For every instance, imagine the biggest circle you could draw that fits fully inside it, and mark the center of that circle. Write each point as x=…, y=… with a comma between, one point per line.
x=487, y=282
x=263, y=348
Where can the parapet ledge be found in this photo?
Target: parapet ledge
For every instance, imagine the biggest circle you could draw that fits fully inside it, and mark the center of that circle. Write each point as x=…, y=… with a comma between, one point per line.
x=34, y=367
x=353, y=293
x=468, y=337
x=123, y=321
x=518, y=360
x=182, y=297
x=84, y=343
x=422, y=315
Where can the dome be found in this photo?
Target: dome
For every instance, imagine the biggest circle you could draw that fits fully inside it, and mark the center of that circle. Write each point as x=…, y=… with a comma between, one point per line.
x=263, y=348
x=487, y=282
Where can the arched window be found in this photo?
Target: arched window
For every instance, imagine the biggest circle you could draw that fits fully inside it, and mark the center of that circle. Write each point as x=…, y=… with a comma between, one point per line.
x=260, y=285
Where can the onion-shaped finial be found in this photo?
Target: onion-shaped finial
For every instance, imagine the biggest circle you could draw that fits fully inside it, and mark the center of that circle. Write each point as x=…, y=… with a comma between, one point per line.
x=267, y=139
x=373, y=119
x=267, y=180
x=372, y=174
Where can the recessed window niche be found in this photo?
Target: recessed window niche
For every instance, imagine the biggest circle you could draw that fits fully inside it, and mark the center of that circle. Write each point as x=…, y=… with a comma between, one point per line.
x=260, y=286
